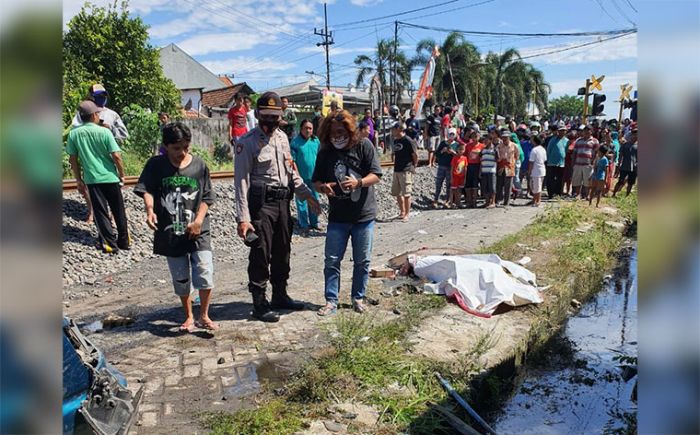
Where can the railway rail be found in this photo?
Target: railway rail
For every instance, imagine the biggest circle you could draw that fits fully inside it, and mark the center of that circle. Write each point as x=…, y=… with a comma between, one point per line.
x=71, y=184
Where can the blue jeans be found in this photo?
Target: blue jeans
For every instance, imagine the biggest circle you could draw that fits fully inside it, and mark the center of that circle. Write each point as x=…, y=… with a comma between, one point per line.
x=337, y=236
x=444, y=174
x=305, y=218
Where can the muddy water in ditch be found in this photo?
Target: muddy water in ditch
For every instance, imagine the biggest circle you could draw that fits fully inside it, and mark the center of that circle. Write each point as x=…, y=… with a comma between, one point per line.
x=576, y=386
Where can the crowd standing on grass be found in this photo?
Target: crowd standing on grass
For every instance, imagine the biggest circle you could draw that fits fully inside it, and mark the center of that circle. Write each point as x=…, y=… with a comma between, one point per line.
x=508, y=163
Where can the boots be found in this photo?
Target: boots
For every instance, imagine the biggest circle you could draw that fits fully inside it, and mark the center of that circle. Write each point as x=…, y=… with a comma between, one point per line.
x=261, y=308
x=282, y=301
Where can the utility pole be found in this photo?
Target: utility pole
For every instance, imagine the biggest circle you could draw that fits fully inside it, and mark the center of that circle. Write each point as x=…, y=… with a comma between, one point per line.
x=327, y=42
x=392, y=77
x=585, y=100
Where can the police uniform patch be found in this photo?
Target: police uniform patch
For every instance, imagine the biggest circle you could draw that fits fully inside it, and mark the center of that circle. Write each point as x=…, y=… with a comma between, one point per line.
x=239, y=148
x=271, y=102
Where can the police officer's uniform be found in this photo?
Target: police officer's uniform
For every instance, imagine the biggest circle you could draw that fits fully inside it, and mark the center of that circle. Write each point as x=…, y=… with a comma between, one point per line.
x=265, y=182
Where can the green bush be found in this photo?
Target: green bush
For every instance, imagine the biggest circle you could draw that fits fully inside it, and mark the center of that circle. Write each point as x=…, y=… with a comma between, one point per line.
x=222, y=153
x=144, y=134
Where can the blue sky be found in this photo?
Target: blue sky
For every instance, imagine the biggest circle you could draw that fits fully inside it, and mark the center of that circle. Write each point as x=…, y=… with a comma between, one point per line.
x=268, y=43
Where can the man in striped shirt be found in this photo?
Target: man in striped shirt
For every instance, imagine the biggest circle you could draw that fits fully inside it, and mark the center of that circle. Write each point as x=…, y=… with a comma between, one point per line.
x=584, y=152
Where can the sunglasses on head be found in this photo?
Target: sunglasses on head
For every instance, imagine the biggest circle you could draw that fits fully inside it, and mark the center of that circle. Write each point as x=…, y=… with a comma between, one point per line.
x=339, y=117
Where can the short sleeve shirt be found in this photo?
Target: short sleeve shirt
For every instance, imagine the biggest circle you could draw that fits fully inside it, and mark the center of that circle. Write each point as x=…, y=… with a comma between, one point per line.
x=239, y=120
x=332, y=166
x=177, y=195
x=537, y=159
x=94, y=146
x=404, y=149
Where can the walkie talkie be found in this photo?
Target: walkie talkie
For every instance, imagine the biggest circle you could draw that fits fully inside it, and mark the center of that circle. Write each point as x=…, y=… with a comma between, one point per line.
x=251, y=239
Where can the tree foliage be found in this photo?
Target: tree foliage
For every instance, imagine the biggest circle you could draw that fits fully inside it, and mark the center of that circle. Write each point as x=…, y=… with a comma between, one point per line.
x=503, y=83
x=105, y=45
x=380, y=63
x=566, y=105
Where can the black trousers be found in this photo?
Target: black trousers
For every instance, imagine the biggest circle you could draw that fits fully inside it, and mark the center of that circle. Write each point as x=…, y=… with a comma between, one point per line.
x=269, y=260
x=555, y=180
x=104, y=198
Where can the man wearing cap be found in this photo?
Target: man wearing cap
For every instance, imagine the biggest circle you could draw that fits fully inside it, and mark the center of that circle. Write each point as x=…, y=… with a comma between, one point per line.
x=108, y=117
x=556, y=159
x=405, y=162
x=507, y=156
x=265, y=181
x=95, y=159
x=585, y=150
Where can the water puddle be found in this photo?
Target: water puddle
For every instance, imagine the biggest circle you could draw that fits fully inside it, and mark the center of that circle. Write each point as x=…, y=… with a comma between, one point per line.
x=248, y=379
x=580, y=384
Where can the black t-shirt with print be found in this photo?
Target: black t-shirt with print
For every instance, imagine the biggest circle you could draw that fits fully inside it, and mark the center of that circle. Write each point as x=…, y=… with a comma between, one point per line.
x=177, y=194
x=334, y=165
x=404, y=149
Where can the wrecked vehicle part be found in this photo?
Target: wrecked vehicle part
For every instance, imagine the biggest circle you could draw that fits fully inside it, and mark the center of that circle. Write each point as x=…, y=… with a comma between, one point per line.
x=94, y=393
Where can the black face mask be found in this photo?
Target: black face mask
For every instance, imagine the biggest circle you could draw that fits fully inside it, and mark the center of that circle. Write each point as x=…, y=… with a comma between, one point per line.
x=269, y=125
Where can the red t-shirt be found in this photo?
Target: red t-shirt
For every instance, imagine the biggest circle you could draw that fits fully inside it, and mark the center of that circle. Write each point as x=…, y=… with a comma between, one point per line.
x=237, y=118
x=445, y=123
x=473, y=152
x=459, y=170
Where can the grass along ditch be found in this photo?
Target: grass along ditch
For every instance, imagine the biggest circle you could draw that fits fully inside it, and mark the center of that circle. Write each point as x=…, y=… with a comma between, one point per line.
x=370, y=377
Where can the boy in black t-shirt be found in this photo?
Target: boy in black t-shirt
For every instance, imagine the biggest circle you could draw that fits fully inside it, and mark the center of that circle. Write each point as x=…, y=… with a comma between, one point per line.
x=176, y=190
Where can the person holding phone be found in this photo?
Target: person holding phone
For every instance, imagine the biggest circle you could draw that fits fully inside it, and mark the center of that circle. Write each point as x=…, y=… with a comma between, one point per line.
x=346, y=170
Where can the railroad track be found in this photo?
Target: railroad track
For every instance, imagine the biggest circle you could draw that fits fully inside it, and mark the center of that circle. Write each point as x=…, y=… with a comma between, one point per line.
x=71, y=184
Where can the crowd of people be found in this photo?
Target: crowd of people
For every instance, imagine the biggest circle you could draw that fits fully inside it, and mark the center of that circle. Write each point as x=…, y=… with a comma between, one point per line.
x=336, y=156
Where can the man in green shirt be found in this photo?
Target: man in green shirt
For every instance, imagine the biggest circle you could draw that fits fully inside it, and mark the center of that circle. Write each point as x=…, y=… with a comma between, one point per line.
x=289, y=119
x=97, y=167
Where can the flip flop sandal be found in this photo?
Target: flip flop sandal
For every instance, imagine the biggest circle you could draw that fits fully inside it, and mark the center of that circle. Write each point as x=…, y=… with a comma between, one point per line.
x=189, y=328
x=210, y=326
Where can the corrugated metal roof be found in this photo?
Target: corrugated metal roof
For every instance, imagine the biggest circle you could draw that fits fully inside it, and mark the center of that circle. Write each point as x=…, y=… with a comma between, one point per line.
x=186, y=72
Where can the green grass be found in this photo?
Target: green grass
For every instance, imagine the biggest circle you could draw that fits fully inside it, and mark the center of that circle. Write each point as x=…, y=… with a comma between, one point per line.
x=369, y=358
x=275, y=416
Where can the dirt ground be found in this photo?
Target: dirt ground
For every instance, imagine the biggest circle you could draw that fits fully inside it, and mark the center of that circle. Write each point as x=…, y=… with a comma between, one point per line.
x=185, y=374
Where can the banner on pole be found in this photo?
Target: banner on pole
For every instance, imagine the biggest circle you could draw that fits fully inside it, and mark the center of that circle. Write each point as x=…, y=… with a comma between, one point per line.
x=425, y=90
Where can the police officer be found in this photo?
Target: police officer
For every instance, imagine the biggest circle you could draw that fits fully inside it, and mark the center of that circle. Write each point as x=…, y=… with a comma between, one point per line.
x=265, y=181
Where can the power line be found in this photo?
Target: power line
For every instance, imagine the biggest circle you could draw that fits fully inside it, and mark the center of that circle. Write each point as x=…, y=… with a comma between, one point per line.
x=420, y=17
x=479, y=33
x=622, y=12
x=395, y=15
x=600, y=4
x=632, y=6
x=230, y=10
x=576, y=46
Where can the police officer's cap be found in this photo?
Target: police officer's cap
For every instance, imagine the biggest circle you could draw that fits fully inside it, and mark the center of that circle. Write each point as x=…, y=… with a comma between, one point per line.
x=270, y=103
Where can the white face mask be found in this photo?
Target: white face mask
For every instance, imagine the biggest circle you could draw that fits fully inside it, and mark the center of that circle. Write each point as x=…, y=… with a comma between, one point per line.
x=340, y=142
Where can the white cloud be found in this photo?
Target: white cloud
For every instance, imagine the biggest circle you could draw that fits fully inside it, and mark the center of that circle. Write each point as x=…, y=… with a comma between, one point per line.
x=245, y=65
x=221, y=43
x=616, y=49
x=365, y=2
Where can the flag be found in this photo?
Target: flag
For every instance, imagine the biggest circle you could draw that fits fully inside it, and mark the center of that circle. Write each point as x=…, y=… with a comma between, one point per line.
x=425, y=90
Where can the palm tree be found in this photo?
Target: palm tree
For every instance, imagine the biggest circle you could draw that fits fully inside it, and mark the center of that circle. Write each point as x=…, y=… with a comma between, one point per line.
x=537, y=88
x=509, y=69
x=381, y=63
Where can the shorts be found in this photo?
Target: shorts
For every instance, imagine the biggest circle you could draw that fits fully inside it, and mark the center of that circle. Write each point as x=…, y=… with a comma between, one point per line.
x=582, y=175
x=629, y=176
x=536, y=184
x=193, y=270
x=488, y=184
x=432, y=143
x=473, y=170
x=402, y=184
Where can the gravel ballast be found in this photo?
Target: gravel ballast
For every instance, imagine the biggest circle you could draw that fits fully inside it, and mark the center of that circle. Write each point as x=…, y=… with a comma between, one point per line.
x=83, y=262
